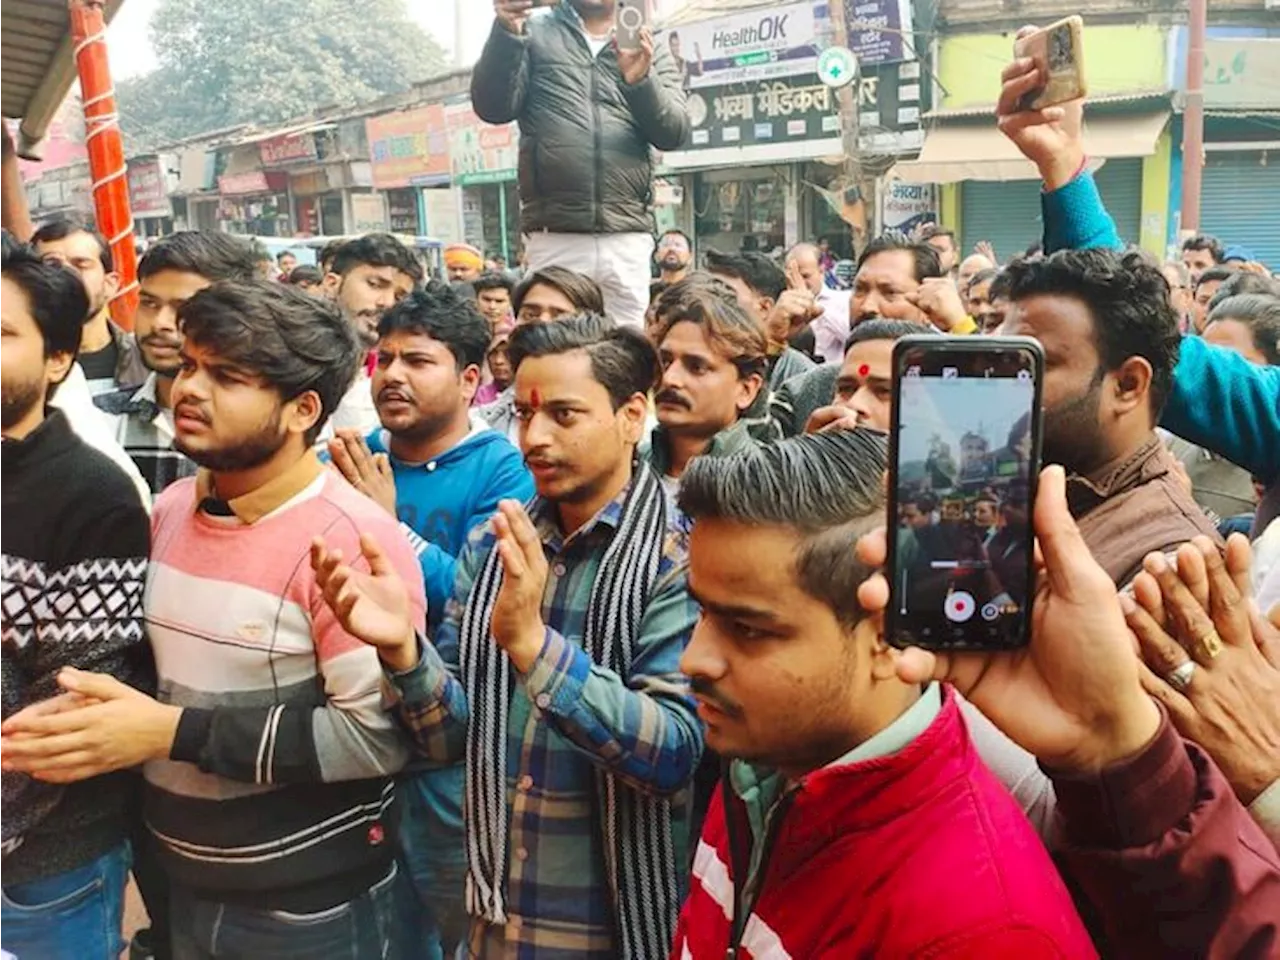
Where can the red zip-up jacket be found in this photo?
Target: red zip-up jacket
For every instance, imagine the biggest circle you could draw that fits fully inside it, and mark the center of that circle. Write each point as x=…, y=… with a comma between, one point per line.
x=919, y=854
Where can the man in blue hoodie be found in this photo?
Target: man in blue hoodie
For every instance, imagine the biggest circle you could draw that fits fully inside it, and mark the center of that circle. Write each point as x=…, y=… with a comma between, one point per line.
x=442, y=473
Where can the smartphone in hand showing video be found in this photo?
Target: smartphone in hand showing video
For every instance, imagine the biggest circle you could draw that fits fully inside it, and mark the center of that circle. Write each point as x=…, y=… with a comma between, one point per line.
x=964, y=460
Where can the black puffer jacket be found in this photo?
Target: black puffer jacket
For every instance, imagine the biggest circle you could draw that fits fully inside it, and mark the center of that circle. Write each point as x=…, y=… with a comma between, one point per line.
x=585, y=134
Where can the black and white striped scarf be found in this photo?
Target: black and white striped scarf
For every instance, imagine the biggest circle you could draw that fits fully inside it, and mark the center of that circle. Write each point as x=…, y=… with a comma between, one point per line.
x=640, y=858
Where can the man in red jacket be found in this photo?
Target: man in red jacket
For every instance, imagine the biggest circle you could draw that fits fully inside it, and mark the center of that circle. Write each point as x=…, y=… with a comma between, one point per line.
x=857, y=819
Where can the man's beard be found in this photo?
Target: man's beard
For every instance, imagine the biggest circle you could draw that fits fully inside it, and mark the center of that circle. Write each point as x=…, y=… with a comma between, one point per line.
x=17, y=399
x=673, y=262
x=1072, y=436
x=253, y=451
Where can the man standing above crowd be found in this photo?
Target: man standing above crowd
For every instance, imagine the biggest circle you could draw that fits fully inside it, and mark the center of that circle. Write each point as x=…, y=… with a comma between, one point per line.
x=75, y=544
x=584, y=199
x=674, y=256
x=831, y=327
x=555, y=671
x=173, y=269
x=442, y=473
x=713, y=365
x=108, y=355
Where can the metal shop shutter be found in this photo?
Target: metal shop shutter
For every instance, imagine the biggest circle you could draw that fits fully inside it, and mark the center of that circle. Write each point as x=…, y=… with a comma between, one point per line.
x=1239, y=200
x=1007, y=213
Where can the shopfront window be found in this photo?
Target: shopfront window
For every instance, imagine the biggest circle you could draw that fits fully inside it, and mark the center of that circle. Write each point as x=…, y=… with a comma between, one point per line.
x=745, y=213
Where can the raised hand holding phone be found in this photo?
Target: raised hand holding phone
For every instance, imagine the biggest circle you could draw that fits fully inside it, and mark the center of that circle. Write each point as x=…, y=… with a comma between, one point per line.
x=1051, y=137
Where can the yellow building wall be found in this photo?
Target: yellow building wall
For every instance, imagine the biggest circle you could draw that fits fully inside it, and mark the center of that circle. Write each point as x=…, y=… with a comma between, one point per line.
x=1118, y=59
x=1156, y=172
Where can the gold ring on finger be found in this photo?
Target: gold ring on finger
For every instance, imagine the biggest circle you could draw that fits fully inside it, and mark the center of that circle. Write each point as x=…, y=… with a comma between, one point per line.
x=1210, y=644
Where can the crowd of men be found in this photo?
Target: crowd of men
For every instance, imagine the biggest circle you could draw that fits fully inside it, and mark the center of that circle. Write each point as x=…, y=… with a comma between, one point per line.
x=541, y=616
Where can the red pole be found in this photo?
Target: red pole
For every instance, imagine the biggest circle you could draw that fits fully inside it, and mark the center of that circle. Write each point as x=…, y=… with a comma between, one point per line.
x=1193, y=118
x=106, y=151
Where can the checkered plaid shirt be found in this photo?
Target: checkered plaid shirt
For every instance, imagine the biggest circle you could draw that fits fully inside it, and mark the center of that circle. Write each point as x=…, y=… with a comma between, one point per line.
x=567, y=717
x=145, y=430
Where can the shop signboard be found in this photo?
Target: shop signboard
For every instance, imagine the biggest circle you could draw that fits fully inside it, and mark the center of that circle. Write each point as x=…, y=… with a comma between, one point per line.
x=773, y=111
x=289, y=148
x=480, y=152
x=891, y=99
x=745, y=47
x=368, y=213
x=879, y=30
x=409, y=148
x=148, y=196
x=907, y=206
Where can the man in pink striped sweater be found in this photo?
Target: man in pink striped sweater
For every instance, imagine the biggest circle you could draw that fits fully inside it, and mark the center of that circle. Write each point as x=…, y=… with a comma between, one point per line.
x=269, y=757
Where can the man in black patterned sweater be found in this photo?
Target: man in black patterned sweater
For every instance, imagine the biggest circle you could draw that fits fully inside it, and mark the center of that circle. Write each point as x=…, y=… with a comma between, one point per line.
x=74, y=539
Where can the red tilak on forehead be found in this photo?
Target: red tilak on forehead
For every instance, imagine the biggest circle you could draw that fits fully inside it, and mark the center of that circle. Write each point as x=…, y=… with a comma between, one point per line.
x=535, y=400
x=863, y=369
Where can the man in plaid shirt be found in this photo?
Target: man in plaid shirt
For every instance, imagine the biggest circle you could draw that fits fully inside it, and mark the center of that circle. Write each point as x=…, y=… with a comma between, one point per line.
x=545, y=887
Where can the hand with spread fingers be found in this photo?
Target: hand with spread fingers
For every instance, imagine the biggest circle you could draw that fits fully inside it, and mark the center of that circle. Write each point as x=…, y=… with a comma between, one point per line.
x=517, y=624
x=373, y=607
x=368, y=472
x=1212, y=659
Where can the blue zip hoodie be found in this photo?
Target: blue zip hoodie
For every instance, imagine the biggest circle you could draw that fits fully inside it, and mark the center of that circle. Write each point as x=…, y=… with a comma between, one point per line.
x=441, y=501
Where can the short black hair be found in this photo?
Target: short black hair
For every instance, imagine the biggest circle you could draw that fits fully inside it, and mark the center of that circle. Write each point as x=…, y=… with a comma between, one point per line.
x=60, y=228
x=437, y=311
x=377, y=250
x=1128, y=298
x=579, y=289
x=285, y=253
x=623, y=361
x=492, y=280
x=1000, y=285
x=927, y=263
x=756, y=270
x=55, y=294
x=1242, y=282
x=328, y=252
x=305, y=273
x=677, y=233
x=1261, y=314
x=293, y=341
x=827, y=487
x=206, y=253
x=881, y=329
x=1204, y=241
x=1220, y=274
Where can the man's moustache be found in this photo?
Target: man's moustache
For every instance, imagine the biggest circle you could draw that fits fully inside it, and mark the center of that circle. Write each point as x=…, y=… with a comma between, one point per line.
x=673, y=398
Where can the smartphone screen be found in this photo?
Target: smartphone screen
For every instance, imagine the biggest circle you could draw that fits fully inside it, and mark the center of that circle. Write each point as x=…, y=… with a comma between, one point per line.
x=964, y=459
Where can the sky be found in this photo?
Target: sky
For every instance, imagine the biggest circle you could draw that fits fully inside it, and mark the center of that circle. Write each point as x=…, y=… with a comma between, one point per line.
x=952, y=408
x=131, y=53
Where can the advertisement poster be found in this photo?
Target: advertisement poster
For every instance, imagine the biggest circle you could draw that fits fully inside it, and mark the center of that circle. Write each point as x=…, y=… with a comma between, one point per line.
x=907, y=206
x=147, y=194
x=480, y=152
x=409, y=148
x=745, y=47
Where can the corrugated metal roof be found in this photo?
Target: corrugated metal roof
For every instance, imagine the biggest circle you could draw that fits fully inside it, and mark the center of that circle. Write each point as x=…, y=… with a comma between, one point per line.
x=36, y=68
x=1137, y=97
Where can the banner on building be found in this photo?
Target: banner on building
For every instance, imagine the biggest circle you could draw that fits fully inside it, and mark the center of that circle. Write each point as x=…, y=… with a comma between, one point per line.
x=907, y=206
x=890, y=101
x=148, y=195
x=879, y=30
x=480, y=152
x=290, y=148
x=745, y=47
x=409, y=148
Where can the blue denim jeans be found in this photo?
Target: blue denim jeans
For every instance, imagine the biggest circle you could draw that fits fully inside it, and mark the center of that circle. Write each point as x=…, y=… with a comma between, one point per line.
x=76, y=915
x=366, y=928
x=434, y=855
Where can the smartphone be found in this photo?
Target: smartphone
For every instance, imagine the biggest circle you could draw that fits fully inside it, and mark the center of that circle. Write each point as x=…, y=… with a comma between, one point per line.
x=1058, y=50
x=964, y=458
x=631, y=18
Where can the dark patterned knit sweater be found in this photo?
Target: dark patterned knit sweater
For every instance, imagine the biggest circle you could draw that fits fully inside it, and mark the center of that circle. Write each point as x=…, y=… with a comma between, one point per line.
x=74, y=539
